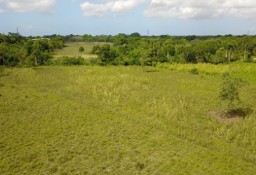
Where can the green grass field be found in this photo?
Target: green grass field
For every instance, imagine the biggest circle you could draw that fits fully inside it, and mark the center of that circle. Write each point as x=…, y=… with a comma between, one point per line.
x=71, y=49
x=123, y=120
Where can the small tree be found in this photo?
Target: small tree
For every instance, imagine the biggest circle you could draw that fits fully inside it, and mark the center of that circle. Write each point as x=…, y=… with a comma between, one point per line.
x=229, y=90
x=106, y=54
x=81, y=49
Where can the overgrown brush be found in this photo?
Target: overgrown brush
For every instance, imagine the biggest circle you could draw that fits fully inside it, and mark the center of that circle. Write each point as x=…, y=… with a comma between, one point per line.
x=69, y=61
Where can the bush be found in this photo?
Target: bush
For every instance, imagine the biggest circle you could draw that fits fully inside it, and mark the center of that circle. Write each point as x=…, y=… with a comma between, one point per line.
x=194, y=71
x=229, y=90
x=81, y=49
x=69, y=61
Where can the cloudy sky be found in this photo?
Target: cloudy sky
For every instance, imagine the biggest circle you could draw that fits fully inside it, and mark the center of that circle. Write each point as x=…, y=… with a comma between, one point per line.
x=173, y=17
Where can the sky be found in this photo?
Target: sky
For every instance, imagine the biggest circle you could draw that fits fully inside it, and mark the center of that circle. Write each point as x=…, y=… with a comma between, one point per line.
x=110, y=17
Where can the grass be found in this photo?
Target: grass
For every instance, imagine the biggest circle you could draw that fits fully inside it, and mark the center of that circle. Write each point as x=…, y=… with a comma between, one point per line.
x=123, y=120
x=71, y=49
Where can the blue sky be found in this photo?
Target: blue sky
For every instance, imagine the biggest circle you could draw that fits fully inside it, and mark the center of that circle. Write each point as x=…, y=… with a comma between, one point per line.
x=173, y=17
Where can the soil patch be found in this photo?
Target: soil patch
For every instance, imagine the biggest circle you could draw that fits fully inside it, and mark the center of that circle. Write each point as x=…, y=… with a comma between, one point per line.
x=231, y=115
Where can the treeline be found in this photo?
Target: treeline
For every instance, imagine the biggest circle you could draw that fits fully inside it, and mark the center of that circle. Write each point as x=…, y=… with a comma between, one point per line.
x=18, y=50
x=132, y=49
x=141, y=50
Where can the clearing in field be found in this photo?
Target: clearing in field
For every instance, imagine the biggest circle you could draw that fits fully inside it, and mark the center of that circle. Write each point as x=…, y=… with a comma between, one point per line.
x=71, y=49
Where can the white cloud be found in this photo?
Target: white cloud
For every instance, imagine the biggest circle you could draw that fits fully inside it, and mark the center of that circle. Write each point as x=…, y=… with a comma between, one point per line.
x=27, y=5
x=183, y=9
x=114, y=6
x=198, y=9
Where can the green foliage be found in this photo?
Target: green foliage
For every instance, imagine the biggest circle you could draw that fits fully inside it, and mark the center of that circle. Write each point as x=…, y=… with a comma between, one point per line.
x=16, y=50
x=194, y=71
x=106, y=54
x=162, y=49
x=57, y=42
x=229, y=90
x=81, y=49
x=71, y=61
x=38, y=52
x=8, y=55
x=125, y=49
x=97, y=38
x=13, y=38
x=254, y=51
x=120, y=39
x=135, y=34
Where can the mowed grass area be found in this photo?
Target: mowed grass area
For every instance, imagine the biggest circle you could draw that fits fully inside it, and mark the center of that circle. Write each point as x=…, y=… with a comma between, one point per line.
x=123, y=120
x=71, y=49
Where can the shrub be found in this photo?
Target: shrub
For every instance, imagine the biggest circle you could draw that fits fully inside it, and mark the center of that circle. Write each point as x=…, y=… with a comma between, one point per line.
x=194, y=71
x=69, y=61
x=81, y=49
x=229, y=90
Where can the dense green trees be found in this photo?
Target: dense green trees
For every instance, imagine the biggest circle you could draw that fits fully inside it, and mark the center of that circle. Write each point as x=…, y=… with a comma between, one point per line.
x=136, y=49
x=120, y=40
x=98, y=38
x=132, y=49
x=10, y=49
x=18, y=50
x=106, y=54
x=40, y=52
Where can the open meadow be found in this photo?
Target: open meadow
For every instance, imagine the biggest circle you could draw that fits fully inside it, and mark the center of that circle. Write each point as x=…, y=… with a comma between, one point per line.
x=125, y=120
x=71, y=49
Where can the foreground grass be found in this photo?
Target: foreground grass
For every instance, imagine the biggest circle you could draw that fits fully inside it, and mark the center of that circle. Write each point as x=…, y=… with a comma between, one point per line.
x=121, y=120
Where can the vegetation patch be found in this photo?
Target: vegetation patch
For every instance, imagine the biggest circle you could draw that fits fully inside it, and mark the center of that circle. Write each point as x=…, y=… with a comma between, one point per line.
x=194, y=71
x=69, y=61
x=123, y=120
